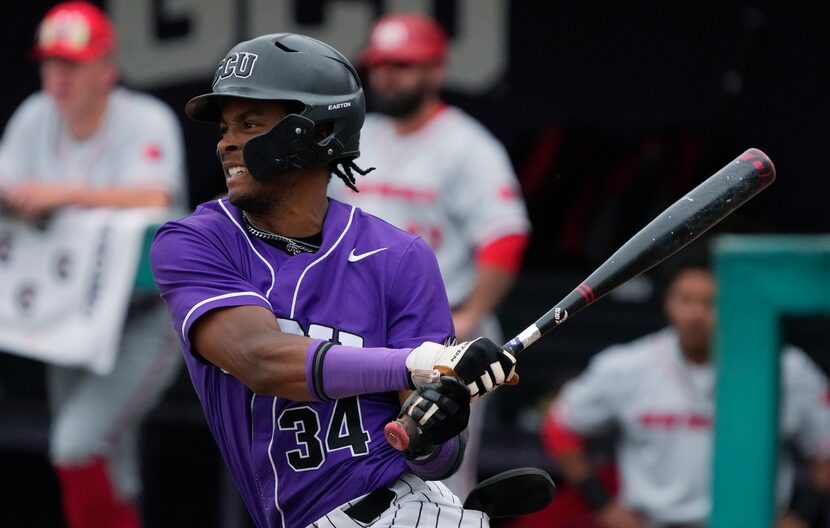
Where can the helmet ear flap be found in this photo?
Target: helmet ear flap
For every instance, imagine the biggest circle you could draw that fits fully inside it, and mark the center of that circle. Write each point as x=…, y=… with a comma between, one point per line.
x=290, y=145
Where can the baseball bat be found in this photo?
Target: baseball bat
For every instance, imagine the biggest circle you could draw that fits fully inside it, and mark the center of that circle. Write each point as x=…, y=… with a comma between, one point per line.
x=681, y=223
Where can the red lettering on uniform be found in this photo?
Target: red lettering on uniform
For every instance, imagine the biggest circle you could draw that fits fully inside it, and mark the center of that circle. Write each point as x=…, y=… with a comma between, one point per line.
x=435, y=237
x=408, y=194
x=433, y=234
x=673, y=421
x=699, y=421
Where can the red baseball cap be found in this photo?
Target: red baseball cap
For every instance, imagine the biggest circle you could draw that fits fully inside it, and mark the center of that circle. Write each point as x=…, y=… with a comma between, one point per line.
x=76, y=31
x=405, y=38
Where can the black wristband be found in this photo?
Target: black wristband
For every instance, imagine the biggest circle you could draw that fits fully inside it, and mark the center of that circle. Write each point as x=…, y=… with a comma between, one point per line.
x=593, y=492
x=808, y=502
x=317, y=370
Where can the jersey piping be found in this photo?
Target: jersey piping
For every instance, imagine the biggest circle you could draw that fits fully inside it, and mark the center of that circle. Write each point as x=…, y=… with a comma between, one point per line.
x=251, y=244
x=211, y=299
x=234, y=294
x=273, y=464
x=327, y=253
x=274, y=402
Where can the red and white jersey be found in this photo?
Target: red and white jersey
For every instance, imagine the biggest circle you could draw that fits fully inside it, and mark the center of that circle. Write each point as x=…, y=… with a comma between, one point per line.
x=450, y=181
x=138, y=143
x=663, y=407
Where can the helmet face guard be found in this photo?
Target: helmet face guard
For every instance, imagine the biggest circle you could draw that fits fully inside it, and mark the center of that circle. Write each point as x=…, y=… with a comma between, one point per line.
x=290, y=145
x=293, y=68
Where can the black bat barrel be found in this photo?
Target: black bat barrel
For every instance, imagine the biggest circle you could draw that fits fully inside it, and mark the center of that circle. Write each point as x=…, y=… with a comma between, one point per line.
x=684, y=221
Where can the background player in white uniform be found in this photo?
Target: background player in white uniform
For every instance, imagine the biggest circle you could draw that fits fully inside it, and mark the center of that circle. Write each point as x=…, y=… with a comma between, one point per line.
x=441, y=175
x=658, y=391
x=82, y=141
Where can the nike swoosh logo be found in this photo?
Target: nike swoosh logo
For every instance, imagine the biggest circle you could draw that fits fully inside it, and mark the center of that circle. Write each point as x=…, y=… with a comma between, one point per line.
x=354, y=258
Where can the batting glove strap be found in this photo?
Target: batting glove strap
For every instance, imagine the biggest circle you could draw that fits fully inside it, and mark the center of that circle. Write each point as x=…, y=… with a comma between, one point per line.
x=442, y=463
x=421, y=363
x=480, y=364
x=440, y=409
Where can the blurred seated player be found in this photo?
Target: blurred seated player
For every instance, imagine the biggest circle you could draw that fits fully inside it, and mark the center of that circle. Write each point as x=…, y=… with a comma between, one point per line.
x=83, y=141
x=657, y=392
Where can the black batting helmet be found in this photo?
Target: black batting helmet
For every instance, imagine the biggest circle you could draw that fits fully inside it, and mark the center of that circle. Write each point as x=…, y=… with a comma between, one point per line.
x=293, y=68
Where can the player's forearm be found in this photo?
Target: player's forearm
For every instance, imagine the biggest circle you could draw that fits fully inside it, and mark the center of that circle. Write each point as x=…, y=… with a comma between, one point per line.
x=497, y=264
x=820, y=474
x=575, y=466
x=491, y=286
x=578, y=471
x=301, y=369
x=34, y=199
x=568, y=449
x=336, y=371
x=246, y=341
x=122, y=197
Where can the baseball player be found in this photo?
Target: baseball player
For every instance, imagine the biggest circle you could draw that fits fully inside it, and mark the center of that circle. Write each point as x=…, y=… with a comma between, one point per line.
x=304, y=321
x=83, y=141
x=659, y=393
x=443, y=176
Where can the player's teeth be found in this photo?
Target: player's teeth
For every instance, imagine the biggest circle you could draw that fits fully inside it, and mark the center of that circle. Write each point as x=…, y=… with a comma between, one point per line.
x=235, y=171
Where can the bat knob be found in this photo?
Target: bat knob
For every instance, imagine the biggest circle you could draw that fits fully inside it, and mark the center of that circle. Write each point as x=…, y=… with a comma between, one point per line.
x=396, y=435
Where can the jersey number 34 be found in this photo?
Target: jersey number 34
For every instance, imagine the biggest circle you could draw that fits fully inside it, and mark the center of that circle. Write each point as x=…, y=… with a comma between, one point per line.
x=345, y=428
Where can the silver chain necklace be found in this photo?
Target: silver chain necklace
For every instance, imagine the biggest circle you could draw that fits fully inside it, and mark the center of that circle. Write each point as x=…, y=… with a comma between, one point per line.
x=292, y=245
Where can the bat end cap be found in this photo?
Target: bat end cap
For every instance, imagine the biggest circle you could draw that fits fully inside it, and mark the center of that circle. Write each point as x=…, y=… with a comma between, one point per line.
x=396, y=435
x=762, y=163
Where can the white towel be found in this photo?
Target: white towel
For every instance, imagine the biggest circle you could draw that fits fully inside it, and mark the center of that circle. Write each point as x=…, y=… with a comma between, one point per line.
x=65, y=285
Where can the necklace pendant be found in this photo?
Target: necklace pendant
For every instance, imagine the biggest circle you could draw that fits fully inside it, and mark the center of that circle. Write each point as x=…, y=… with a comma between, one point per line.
x=292, y=247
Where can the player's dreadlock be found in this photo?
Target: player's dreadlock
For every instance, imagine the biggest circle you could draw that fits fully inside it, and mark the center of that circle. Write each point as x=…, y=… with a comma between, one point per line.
x=343, y=169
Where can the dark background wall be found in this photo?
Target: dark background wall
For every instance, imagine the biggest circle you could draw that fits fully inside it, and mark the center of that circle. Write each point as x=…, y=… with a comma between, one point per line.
x=610, y=112
x=636, y=101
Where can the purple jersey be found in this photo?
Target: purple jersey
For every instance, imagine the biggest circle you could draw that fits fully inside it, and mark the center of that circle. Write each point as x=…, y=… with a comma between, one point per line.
x=369, y=285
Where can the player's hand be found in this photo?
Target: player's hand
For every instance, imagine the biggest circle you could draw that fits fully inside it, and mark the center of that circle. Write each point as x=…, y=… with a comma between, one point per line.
x=481, y=365
x=615, y=515
x=791, y=520
x=35, y=199
x=440, y=409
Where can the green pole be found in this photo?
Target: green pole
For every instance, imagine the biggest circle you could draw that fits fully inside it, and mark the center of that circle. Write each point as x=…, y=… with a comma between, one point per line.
x=760, y=278
x=144, y=281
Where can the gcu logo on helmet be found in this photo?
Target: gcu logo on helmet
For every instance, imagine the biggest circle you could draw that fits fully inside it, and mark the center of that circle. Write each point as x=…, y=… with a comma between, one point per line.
x=239, y=64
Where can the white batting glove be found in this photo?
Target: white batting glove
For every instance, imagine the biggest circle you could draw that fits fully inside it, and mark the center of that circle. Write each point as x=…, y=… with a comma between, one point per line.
x=481, y=365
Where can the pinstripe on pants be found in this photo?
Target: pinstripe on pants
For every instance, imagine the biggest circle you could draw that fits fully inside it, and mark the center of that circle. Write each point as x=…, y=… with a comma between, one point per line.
x=417, y=504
